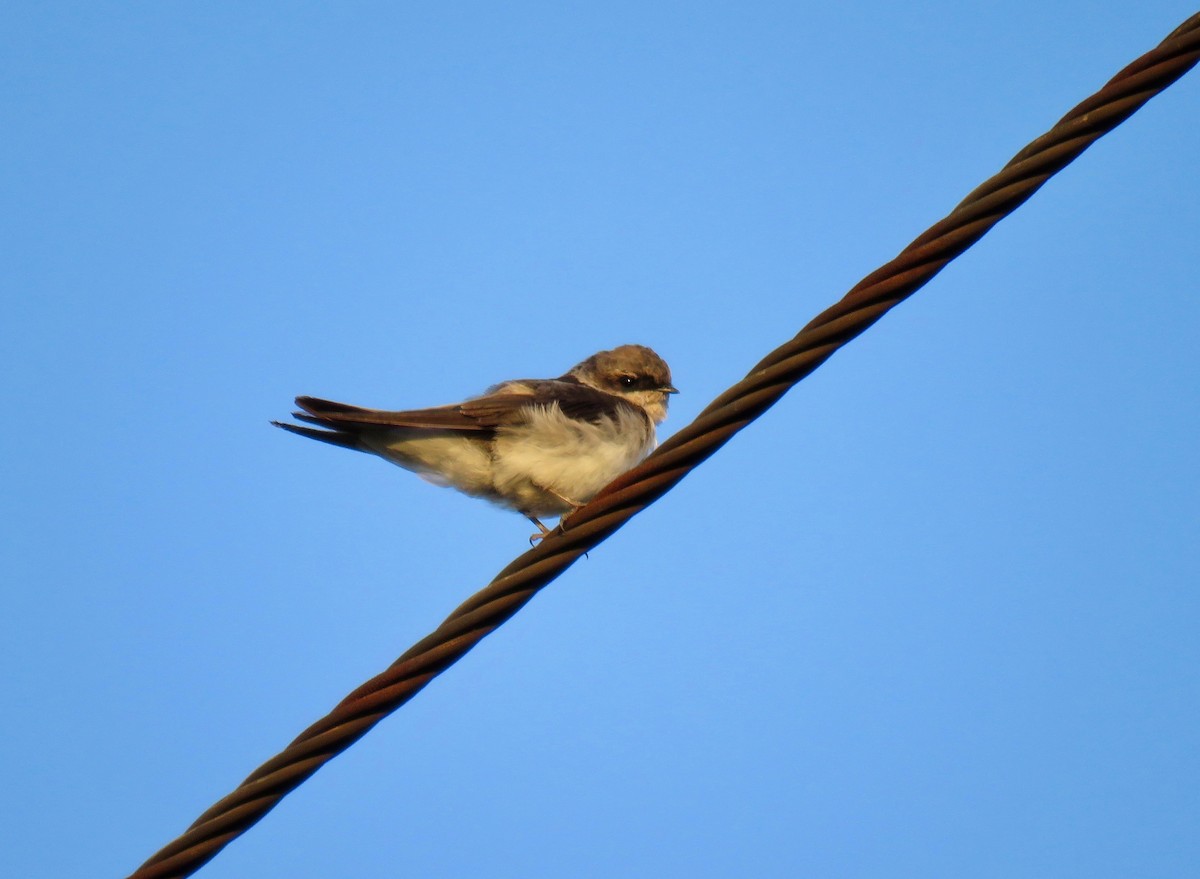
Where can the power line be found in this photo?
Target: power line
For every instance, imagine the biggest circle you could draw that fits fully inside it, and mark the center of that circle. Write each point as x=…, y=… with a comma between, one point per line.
x=766, y=383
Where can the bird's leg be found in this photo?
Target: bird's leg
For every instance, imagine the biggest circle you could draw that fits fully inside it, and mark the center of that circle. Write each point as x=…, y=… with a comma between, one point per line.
x=575, y=508
x=574, y=505
x=542, y=529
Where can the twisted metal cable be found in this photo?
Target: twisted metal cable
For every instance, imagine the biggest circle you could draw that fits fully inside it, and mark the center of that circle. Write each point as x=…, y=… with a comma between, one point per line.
x=868, y=301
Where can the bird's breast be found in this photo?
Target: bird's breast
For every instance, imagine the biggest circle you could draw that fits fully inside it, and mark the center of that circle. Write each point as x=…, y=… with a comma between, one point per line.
x=569, y=457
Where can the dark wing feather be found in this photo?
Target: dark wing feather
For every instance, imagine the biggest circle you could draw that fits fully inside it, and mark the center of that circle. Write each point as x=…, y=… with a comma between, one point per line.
x=505, y=406
x=345, y=439
x=577, y=400
x=341, y=415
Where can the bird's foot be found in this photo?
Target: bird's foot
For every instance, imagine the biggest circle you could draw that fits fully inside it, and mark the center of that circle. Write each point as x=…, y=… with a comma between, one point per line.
x=542, y=530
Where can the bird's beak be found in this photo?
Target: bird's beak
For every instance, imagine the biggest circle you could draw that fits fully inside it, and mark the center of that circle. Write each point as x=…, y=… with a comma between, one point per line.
x=669, y=390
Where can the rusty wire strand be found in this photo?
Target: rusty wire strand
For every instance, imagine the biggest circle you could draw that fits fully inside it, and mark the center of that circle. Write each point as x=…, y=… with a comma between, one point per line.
x=777, y=373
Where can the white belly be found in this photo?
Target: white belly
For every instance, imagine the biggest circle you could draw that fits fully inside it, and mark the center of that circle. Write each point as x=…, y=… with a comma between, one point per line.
x=542, y=467
x=554, y=458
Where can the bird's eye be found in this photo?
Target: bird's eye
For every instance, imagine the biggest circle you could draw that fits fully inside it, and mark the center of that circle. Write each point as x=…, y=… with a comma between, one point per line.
x=628, y=381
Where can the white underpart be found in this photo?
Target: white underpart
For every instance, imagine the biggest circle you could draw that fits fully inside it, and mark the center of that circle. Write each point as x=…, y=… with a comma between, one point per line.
x=539, y=467
x=446, y=458
x=552, y=458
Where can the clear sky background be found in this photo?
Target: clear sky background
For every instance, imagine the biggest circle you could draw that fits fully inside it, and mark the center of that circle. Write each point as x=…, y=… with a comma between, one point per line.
x=936, y=614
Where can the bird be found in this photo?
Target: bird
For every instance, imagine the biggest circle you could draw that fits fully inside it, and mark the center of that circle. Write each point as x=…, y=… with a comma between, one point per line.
x=542, y=447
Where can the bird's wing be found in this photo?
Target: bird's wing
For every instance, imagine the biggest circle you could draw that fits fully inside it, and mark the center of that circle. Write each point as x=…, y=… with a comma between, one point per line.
x=343, y=416
x=505, y=405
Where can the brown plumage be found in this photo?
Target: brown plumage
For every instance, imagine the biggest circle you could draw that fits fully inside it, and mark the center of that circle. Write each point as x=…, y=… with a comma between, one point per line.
x=540, y=446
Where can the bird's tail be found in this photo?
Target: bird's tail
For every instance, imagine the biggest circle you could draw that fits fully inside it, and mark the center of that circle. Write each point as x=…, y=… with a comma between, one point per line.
x=343, y=438
x=325, y=414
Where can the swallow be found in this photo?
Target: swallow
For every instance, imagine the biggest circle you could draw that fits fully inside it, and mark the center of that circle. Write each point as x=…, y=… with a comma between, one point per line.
x=542, y=447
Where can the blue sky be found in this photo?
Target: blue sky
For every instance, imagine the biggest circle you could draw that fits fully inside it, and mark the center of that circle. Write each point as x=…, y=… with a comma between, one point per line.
x=934, y=615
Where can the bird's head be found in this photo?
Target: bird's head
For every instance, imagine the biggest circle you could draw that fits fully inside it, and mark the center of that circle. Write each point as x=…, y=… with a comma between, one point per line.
x=633, y=372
